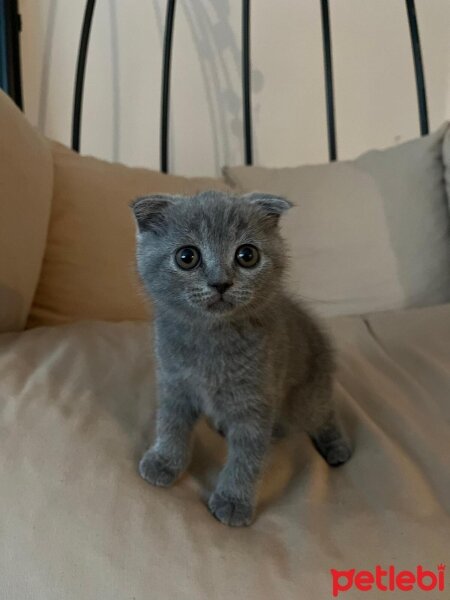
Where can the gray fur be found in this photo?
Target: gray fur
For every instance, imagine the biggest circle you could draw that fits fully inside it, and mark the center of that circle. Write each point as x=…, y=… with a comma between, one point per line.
x=255, y=363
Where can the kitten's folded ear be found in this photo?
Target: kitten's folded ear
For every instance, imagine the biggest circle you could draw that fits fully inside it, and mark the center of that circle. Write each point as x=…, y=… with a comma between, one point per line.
x=271, y=205
x=149, y=211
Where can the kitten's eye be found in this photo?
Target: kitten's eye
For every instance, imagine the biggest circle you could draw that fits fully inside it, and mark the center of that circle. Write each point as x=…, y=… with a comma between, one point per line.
x=247, y=256
x=187, y=257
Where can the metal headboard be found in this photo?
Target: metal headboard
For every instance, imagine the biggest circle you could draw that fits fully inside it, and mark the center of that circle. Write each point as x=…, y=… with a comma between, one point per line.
x=11, y=26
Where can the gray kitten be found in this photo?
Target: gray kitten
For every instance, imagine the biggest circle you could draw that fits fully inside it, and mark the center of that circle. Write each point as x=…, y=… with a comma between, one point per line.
x=230, y=344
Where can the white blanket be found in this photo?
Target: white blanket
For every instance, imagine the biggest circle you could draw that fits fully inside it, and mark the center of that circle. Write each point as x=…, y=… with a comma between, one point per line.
x=77, y=522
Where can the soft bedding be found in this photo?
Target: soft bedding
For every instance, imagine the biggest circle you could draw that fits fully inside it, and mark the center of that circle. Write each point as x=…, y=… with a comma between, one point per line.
x=76, y=410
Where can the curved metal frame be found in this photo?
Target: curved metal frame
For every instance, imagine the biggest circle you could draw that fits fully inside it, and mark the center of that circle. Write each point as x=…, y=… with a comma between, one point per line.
x=328, y=71
x=246, y=78
x=418, y=67
x=10, y=71
x=246, y=83
x=165, y=85
x=81, y=69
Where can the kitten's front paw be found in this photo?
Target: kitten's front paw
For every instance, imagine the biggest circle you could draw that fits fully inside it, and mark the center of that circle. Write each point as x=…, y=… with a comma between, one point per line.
x=230, y=511
x=154, y=469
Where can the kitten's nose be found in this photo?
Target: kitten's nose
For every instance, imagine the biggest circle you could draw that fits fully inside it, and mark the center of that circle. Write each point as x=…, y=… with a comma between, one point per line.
x=221, y=287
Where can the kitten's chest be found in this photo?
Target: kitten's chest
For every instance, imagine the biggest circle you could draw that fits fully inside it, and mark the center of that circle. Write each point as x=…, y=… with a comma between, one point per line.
x=233, y=357
x=214, y=363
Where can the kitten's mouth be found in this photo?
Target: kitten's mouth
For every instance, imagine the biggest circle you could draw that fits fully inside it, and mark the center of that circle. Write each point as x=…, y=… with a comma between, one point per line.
x=219, y=304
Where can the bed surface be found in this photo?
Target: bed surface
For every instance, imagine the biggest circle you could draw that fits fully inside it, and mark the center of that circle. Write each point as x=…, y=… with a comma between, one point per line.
x=76, y=407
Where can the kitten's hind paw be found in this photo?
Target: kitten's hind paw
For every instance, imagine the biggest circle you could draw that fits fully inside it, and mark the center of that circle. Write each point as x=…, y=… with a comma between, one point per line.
x=230, y=511
x=336, y=453
x=154, y=469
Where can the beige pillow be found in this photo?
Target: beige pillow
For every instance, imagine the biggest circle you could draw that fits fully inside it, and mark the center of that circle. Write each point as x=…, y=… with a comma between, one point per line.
x=88, y=270
x=26, y=179
x=365, y=235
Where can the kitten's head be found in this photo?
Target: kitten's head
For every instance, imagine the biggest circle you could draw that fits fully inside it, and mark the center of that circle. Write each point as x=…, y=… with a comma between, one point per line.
x=210, y=255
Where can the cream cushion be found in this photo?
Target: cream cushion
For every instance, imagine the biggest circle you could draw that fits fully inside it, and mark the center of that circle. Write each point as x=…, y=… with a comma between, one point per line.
x=26, y=179
x=365, y=235
x=88, y=270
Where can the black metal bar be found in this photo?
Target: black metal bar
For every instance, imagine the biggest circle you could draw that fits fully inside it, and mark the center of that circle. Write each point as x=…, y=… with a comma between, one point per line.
x=165, y=85
x=246, y=83
x=328, y=70
x=10, y=70
x=81, y=68
x=418, y=67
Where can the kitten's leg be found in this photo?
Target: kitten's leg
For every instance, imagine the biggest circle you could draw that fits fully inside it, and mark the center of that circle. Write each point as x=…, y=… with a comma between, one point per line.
x=318, y=417
x=331, y=442
x=170, y=453
x=232, y=502
x=312, y=406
